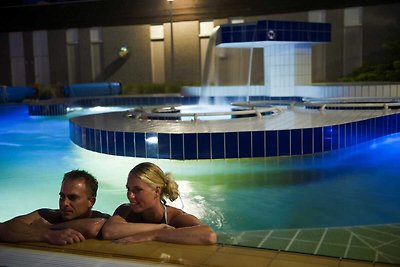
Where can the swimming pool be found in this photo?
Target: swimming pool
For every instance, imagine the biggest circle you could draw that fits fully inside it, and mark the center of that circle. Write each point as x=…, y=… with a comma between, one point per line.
x=354, y=186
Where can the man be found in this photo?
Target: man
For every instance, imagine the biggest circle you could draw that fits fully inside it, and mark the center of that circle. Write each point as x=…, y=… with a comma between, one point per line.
x=73, y=222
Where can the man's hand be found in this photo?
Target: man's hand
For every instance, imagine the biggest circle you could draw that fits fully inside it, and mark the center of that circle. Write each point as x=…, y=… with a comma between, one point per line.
x=63, y=237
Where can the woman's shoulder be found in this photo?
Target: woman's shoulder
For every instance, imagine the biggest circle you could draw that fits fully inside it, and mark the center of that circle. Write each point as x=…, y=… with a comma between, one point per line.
x=122, y=210
x=179, y=218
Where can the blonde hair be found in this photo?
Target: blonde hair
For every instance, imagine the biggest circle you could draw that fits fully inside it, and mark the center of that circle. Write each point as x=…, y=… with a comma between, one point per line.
x=153, y=176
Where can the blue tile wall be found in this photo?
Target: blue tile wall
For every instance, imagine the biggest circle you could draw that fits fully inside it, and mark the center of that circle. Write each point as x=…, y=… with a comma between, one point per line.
x=342, y=136
x=190, y=146
x=177, y=146
x=284, y=142
x=111, y=142
x=335, y=137
x=379, y=127
x=129, y=144
x=204, y=140
x=308, y=141
x=275, y=31
x=217, y=146
x=349, y=137
x=317, y=136
x=140, y=145
x=164, y=148
x=244, y=144
x=258, y=144
x=104, y=145
x=360, y=126
x=231, y=145
x=151, y=145
x=392, y=123
x=119, y=144
x=92, y=145
x=271, y=144
x=327, y=134
x=295, y=142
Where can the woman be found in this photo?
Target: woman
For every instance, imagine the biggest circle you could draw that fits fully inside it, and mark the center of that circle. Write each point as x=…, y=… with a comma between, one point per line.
x=146, y=217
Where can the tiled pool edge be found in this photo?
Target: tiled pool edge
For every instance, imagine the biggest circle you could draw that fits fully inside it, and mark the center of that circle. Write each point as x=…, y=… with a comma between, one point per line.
x=244, y=144
x=371, y=243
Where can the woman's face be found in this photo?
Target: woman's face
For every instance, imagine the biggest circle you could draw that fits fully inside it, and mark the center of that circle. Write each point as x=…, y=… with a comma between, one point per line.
x=140, y=195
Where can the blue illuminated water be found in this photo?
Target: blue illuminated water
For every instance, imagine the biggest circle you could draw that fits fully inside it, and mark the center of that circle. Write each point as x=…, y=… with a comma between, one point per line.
x=356, y=186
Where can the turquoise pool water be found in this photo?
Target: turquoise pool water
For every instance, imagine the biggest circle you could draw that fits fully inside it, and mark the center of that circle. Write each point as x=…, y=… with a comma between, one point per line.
x=356, y=186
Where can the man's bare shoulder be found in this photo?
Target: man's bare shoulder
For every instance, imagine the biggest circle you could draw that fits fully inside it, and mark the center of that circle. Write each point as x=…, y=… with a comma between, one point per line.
x=50, y=215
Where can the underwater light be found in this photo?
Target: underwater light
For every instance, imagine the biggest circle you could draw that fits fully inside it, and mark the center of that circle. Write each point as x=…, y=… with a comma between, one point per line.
x=152, y=140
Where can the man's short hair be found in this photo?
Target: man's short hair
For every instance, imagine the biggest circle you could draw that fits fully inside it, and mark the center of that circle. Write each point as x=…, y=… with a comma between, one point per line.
x=90, y=181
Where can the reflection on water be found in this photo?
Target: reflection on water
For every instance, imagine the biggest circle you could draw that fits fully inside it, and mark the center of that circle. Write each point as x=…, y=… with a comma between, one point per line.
x=349, y=187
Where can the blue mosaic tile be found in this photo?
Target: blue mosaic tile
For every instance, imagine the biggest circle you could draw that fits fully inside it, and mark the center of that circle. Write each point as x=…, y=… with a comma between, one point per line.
x=271, y=144
x=392, y=124
x=348, y=136
x=244, y=144
x=151, y=145
x=177, y=146
x=284, y=142
x=327, y=135
x=111, y=142
x=317, y=138
x=164, y=148
x=386, y=125
x=353, y=133
x=92, y=146
x=129, y=144
x=78, y=134
x=217, y=146
x=119, y=144
x=335, y=137
x=204, y=140
x=140, y=145
x=360, y=129
x=258, y=144
x=295, y=142
x=307, y=141
x=104, y=146
x=190, y=146
x=231, y=145
x=342, y=136
x=379, y=127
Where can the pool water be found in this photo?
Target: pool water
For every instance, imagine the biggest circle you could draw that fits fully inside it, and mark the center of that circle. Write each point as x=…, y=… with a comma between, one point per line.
x=356, y=186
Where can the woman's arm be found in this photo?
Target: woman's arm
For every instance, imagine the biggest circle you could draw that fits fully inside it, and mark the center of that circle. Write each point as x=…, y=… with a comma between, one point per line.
x=189, y=230
x=117, y=227
x=194, y=235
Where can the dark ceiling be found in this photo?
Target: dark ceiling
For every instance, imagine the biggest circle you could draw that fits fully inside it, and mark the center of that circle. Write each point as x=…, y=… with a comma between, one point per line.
x=52, y=14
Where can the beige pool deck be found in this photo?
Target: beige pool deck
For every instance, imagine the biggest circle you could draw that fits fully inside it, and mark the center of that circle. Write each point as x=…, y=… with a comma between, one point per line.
x=377, y=245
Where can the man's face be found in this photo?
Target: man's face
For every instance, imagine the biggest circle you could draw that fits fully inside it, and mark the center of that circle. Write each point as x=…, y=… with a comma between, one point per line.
x=74, y=201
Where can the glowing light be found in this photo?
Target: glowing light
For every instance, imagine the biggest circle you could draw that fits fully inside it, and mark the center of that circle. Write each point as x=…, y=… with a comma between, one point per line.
x=152, y=140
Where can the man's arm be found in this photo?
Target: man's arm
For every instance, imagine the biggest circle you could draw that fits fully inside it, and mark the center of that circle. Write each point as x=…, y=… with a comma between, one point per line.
x=89, y=227
x=33, y=228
